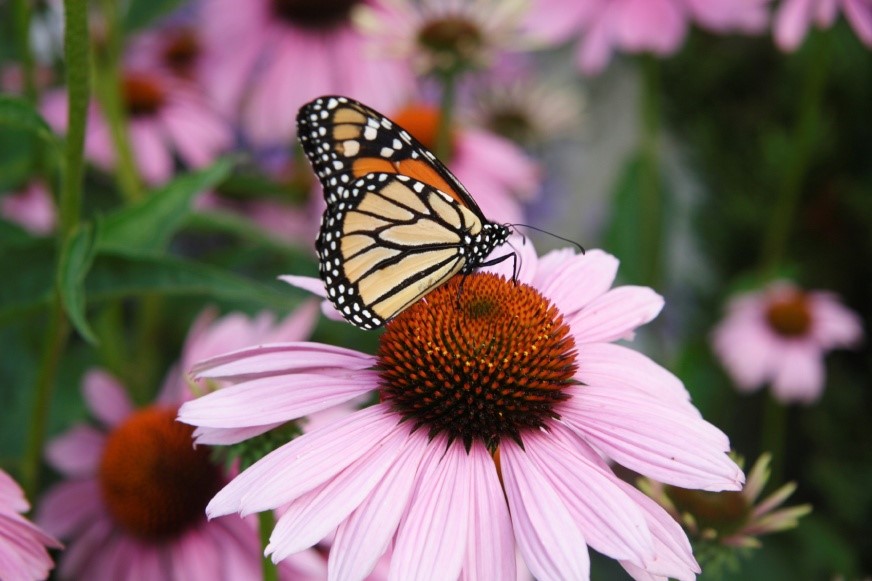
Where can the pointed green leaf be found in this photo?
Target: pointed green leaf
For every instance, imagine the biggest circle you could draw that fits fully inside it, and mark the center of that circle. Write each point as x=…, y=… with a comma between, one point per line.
x=28, y=274
x=77, y=255
x=17, y=113
x=147, y=226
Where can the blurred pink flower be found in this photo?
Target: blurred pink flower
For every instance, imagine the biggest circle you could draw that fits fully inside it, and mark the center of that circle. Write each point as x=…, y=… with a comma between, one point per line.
x=167, y=116
x=132, y=503
x=175, y=48
x=655, y=26
x=780, y=335
x=794, y=17
x=269, y=59
x=23, y=554
x=33, y=208
x=496, y=408
x=500, y=175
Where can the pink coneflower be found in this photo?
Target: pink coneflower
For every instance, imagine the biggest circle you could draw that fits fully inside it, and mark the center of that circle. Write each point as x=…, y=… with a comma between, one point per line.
x=731, y=519
x=275, y=55
x=175, y=48
x=779, y=335
x=132, y=504
x=23, y=546
x=634, y=26
x=166, y=116
x=795, y=17
x=440, y=37
x=497, y=405
x=499, y=174
x=33, y=208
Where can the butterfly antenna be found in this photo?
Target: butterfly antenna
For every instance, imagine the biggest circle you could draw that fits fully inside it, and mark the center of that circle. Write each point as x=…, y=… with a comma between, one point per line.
x=552, y=234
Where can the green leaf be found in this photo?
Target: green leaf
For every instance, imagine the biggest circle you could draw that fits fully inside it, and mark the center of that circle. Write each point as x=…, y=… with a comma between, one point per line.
x=244, y=229
x=77, y=256
x=623, y=237
x=143, y=13
x=147, y=226
x=121, y=275
x=28, y=275
x=18, y=113
x=12, y=235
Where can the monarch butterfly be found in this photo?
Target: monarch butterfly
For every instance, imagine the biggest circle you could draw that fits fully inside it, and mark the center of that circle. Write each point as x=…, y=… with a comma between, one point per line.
x=398, y=224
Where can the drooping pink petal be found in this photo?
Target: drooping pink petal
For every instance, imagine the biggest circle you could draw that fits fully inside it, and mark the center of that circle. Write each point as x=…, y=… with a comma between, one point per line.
x=106, y=398
x=80, y=557
x=799, y=374
x=650, y=25
x=151, y=151
x=792, y=20
x=270, y=400
x=364, y=537
x=551, y=542
x=283, y=358
x=859, y=14
x=232, y=531
x=432, y=535
x=562, y=274
x=615, y=314
x=229, y=436
x=76, y=453
x=491, y=544
x=747, y=350
x=652, y=437
x=609, y=521
x=192, y=557
x=70, y=506
x=313, y=515
x=197, y=134
x=597, y=45
x=556, y=21
x=833, y=324
x=618, y=367
x=303, y=464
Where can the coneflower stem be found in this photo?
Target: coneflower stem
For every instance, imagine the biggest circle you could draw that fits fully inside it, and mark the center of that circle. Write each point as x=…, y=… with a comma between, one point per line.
x=649, y=187
x=266, y=523
x=78, y=77
x=446, y=114
x=22, y=14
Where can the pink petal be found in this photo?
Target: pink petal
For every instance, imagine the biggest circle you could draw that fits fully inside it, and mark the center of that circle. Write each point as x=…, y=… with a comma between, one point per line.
x=552, y=545
x=595, y=49
x=151, y=151
x=578, y=280
x=611, y=522
x=297, y=326
x=106, y=397
x=615, y=314
x=270, y=400
x=69, y=506
x=747, y=350
x=799, y=376
x=312, y=516
x=525, y=262
x=364, y=537
x=82, y=557
x=240, y=557
x=556, y=21
x=618, y=367
x=77, y=452
x=859, y=14
x=197, y=134
x=650, y=25
x=305, y=463
x=281, y=358
x=491, y=543
x=834, y=325
x=792, y=20
x=193, y=557
x=653, y=438
x=228, y=436
x=432, y=536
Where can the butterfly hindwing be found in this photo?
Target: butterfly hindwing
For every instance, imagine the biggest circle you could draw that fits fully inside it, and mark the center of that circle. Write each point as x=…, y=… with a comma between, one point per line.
x=398, y=224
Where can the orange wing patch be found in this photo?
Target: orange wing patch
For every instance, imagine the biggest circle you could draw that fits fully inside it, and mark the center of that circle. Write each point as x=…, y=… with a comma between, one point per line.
x=414, y=168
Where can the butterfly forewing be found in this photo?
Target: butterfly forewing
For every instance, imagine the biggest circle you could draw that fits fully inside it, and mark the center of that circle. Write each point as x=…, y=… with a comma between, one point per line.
x=398, y=224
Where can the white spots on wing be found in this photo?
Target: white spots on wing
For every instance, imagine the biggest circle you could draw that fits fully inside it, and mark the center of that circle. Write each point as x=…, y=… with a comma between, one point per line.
x=351, y=147
x=370, y=133
x=386, y=152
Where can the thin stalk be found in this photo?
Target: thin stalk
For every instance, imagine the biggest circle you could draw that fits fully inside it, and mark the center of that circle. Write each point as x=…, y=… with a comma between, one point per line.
x=774, y=435
x=146, y=341
x=804, y=134
x=650, y=192
x=266, y=522
x=78, y=78
x=112, y=103
x=22, y=15
x=446, y=114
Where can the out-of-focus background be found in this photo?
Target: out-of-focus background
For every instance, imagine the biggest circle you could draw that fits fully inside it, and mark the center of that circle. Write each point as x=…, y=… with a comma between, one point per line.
x=715, y=149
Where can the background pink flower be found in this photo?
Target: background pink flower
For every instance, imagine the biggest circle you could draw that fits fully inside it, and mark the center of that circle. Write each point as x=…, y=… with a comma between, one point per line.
x=167, y=116
x=779, y=335
x=33, y=208
x=23, y=546
x=267, y=60
x=794, y=17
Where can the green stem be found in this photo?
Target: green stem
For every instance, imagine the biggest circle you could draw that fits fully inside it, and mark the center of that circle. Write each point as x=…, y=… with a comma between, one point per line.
x=803, y=139
x=79, y=88
x=22, y=13
x=650, y=194
x=112, y=104
x=446, y=113
x=55, y=342
x=266, y=522
x=148, y=324
x=774, y=434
